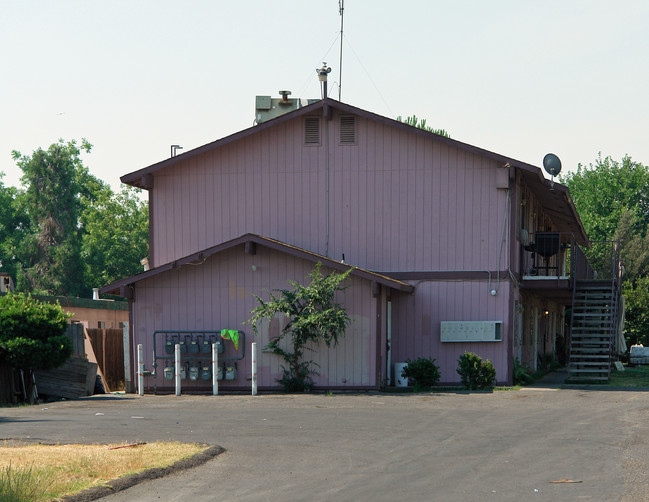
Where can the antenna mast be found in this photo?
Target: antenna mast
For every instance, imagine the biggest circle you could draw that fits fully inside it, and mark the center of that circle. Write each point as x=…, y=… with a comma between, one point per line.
x=341, y=10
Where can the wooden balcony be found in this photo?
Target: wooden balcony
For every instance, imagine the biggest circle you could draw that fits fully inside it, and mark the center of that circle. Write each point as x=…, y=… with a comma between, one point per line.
x=550, y=262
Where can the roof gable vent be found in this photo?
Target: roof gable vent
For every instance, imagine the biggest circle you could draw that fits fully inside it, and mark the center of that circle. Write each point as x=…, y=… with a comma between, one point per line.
x=311, y=130
x=348, y=129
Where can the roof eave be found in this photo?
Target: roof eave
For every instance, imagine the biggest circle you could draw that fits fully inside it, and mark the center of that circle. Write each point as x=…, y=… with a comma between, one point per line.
x=115, y=287
x=135, y=178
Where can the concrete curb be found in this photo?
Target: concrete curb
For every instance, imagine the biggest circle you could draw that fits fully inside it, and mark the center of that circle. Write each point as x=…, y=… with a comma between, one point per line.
x=120, y=484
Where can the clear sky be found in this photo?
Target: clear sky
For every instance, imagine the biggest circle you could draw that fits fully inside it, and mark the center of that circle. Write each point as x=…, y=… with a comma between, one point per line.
x=520, y=78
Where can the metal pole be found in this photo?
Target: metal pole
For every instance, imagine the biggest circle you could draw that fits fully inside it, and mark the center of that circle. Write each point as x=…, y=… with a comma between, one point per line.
x=341, y=11
x=215, y=369
x=254, y=368
x=140, y=370
x=177, y=361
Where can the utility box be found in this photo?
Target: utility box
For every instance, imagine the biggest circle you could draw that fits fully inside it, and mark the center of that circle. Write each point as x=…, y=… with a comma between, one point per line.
x=400, y=381
x=471, y=331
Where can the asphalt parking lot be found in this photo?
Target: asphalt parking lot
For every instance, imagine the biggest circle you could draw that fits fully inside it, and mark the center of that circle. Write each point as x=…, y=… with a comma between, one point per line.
x=505, y=445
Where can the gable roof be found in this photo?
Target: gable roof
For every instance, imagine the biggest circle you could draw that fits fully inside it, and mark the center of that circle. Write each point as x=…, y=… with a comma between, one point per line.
x=269, y=243
x=556, y=200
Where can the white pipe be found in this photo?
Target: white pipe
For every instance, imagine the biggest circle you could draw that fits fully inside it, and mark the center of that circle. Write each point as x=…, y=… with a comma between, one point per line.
x=215, y=369
x=177, y=368
x=140, y=370
x=254, y=368
x=389, y=355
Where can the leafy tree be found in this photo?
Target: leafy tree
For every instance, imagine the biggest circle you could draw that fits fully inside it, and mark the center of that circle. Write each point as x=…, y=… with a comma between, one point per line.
x=51, y=253
x=602, y=191
x=421, y=124
x=634, y=244
x=71, y=232
x=315, y=317
x=637, y=313
x=13, y=223
x=32, y=333
x=116, y=236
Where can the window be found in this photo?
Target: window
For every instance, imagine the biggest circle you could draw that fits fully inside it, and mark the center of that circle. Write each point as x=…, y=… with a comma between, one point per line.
x=312, y=131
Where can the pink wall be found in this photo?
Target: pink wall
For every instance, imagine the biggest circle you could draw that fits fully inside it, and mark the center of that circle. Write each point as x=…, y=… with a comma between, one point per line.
x=416, y=324
x=218, y=294
x=397, y=201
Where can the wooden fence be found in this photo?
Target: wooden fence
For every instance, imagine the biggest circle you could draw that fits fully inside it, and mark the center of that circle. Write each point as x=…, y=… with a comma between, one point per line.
x=108, y=346
x=75, y=333
x=10, y=384
x=7, y=384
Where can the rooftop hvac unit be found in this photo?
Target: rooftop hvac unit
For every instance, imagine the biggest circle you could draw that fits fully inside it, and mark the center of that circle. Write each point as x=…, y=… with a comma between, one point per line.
x=267, y=108
x=471, y=331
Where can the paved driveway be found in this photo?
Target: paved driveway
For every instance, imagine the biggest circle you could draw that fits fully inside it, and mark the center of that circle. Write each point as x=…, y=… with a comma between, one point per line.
x=450, y=447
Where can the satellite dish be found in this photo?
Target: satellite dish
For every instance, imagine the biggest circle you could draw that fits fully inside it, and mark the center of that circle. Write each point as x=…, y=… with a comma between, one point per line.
x=552, y=164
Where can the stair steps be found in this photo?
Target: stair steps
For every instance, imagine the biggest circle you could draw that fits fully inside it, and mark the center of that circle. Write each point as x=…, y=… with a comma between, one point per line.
x=593, y=319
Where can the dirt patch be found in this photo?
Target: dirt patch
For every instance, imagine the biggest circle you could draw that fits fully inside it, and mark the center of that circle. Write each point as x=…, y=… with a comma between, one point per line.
x=120, y=484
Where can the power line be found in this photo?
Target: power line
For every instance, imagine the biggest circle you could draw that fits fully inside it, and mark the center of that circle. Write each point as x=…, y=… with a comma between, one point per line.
x=370, y=77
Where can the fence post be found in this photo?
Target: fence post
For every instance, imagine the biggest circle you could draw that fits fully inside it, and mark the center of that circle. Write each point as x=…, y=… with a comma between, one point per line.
x=140, y=370
x=215, y=370
x=254, y=368
x=177, y=361
x=127, y=359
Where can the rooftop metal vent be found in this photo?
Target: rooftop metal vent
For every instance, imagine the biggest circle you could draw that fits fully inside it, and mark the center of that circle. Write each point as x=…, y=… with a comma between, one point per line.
x=311, y=130
x=348, y=129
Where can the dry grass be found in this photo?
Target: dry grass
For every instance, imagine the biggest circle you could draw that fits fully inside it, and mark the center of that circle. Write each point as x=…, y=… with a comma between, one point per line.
x=67, y=469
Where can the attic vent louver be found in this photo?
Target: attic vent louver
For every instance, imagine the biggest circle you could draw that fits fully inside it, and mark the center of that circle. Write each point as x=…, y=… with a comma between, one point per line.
x=311, y=130
x=348, y=129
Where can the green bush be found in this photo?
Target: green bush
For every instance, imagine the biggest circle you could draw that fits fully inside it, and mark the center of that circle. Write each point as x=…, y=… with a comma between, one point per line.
x=476, y=373
x=32, y=333
x=422, y=371
x=294, y=382
x=522, y=374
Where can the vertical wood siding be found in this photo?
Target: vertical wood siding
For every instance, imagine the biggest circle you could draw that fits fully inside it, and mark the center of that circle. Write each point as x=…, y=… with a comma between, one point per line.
x=416, y=324
x=397, y=201
x=219, y=294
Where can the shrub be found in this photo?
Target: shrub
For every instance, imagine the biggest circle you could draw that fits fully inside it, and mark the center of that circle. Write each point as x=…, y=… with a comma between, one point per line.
x=522, y=374
x=422, y=371
x=301, y=381
x=476, y=373
x=32, y=333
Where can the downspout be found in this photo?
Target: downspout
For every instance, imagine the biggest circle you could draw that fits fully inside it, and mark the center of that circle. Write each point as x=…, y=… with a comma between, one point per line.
x=326, y=183
x=389, y=345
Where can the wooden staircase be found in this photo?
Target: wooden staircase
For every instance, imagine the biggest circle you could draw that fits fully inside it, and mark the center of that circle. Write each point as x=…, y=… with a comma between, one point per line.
x=594, y=320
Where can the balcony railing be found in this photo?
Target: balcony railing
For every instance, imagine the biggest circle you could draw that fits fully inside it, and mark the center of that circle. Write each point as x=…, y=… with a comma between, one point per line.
x=557, y=255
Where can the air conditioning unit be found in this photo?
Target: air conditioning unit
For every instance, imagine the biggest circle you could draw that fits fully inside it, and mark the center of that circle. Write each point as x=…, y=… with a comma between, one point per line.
x=471, y=331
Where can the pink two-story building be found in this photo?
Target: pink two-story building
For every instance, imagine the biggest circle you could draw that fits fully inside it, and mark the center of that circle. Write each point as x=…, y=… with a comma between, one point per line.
x=457, y=249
